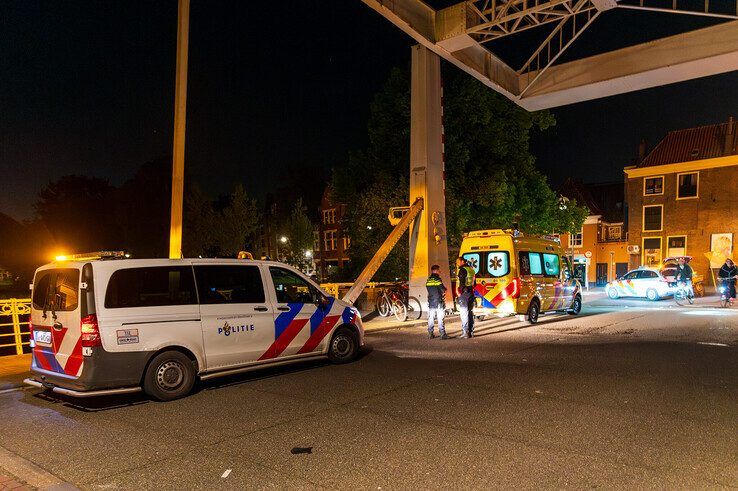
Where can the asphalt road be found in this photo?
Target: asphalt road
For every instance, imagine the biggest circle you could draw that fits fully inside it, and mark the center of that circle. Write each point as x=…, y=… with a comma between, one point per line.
x=643, y=396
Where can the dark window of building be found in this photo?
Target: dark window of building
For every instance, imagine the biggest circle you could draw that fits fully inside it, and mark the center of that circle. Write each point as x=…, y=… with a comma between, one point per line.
x=652, y=218
x=654, y=185
x=151, y=287
x=676, y=241
x=687, y=185
x=229, y=284
x=652, y=244
x=56, y=289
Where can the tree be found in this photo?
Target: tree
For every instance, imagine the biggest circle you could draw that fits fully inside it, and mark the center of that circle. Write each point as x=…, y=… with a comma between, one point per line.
x=235, y=224
x=142, y=208
x=491, y=178
x=79, y=214
x=300, y=237
x=200, y=221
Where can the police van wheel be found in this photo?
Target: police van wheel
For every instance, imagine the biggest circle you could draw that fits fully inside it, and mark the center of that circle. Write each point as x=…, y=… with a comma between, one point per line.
x=169, y=376
x=576, y=306
x=533, y=311
x=344, y=346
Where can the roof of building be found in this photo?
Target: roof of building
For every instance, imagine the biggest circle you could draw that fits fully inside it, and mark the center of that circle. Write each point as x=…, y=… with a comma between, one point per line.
x=687, y=145
x=604, y=199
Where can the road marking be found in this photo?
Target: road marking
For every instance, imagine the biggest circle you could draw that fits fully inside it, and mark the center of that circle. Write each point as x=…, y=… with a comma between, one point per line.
x=226, y=473
x=712, y=344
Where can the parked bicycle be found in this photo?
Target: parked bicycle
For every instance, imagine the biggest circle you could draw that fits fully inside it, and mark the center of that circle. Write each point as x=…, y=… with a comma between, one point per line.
x=683, y=294
x=395, y=300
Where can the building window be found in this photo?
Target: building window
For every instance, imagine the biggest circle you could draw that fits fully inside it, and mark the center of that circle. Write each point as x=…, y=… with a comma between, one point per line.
x=346, y=242
x=329, y=216
x=316, y=241
x=329, y=240
x=653, y=185
x=676, y=246
x=688, y=185
x=652, y=251
x=576, y=240
x=653, y=218
x=614, y=232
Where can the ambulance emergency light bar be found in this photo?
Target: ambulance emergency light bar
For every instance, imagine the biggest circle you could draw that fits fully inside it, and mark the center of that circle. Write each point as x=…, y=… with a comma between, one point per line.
x=87, y=256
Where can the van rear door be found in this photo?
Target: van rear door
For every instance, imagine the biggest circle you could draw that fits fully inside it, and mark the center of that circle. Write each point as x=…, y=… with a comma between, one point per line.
x=56, y=316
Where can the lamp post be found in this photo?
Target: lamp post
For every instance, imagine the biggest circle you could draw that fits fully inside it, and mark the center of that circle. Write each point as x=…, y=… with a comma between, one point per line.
x=180, y=115
x=283, y=240
x=311, y=263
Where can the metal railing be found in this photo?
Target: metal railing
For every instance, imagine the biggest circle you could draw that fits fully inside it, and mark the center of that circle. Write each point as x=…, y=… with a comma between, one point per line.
x=14, y=333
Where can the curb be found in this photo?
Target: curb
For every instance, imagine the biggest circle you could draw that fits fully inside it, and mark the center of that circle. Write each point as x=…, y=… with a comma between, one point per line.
x=31, y=474
x=10, y=383
x=451, y=319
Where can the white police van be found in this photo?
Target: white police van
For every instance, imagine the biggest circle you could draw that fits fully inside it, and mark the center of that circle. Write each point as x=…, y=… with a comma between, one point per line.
x=103, y=327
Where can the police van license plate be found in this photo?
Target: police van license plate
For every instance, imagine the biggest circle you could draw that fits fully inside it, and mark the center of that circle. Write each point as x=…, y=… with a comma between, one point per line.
x=42, y=336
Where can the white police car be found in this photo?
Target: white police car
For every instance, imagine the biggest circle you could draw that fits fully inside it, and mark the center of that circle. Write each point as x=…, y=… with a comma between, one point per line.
x=103, y=327
x=641, y=282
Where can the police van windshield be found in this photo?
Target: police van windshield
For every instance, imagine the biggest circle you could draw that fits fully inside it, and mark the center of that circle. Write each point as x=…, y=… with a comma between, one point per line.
x=492, y=264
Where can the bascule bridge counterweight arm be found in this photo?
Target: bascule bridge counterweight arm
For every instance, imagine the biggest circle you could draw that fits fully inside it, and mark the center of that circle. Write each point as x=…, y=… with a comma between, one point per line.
x=382, y=253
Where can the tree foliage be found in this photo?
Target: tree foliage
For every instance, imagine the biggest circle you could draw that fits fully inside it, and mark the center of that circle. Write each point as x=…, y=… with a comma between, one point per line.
x=492, y=181
x=78, y=211
x=300, y=237
x=83, y=214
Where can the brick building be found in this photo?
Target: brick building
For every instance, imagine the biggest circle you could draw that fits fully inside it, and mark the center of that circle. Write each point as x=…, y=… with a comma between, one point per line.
x=331, y=242
x=599, y=251
x=682, y=197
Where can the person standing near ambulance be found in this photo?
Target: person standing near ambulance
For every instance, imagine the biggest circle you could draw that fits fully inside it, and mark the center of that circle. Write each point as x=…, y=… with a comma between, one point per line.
x=436, y=304
x=465, y=292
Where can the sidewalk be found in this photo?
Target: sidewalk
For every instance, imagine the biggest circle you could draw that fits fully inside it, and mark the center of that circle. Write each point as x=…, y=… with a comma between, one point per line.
x=377, y=323
x=13, y=369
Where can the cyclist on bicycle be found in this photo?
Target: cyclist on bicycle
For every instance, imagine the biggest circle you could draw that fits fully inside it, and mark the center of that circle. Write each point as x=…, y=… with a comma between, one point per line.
x=727, y=274
x=684, y=275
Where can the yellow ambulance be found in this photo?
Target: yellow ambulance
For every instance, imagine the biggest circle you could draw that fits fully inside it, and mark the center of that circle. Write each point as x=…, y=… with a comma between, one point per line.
x=517, y=274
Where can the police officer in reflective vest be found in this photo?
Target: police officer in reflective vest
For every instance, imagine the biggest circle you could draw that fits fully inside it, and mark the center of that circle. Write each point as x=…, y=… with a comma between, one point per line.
x=436, y=305
x=465, y=292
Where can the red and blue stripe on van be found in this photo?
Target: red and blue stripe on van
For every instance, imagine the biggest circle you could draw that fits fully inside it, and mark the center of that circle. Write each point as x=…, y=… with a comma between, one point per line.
x=64, y=356
x=289, y=324
x=493, y=294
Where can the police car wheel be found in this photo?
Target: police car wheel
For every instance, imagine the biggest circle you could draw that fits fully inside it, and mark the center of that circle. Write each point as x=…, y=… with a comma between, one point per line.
x=344, y=346
x=169, y=376
x=652, y=294
x=533, y=311
x=576, y=306
x=612, y=293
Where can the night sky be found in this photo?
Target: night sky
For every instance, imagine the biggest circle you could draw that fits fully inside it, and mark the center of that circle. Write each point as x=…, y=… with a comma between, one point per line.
x=88, y=88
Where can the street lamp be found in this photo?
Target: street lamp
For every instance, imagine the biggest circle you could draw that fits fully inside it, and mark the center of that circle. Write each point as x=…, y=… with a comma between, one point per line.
x=283, y=240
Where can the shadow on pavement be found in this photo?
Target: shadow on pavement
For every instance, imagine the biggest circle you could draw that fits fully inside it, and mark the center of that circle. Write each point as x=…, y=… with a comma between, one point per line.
x=106, y=403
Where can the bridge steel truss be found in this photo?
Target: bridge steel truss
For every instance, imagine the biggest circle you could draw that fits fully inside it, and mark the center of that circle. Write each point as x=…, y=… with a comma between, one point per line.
x=462, y=34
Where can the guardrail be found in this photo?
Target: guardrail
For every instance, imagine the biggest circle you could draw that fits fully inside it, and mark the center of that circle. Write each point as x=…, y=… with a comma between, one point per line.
x=14, y=334
x=366, y=300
